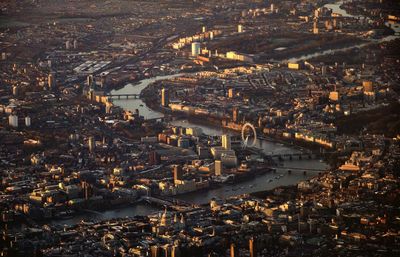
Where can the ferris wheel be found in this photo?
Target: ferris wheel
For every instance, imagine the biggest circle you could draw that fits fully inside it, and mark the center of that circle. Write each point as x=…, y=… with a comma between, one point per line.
x=249, y=135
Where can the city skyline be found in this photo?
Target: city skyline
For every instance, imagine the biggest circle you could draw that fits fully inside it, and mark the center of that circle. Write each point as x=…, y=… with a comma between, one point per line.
x=200, y=128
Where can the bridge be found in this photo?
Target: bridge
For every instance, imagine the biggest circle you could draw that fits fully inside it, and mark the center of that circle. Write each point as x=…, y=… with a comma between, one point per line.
x=170, y=203
x=290, y=156
x=124, y=96
x=302, y=169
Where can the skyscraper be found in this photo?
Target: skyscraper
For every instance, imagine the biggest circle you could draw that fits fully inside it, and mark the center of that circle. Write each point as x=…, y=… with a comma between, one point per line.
x=226, y=142
x=51, y=80
x=92, y=144
x=235, y=114
x=164, y=97
x=252, y=247
x=218, y=168
x=195, y=49
x=178, y=172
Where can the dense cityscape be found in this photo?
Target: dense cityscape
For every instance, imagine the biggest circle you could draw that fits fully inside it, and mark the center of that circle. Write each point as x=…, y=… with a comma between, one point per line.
x=174, y=128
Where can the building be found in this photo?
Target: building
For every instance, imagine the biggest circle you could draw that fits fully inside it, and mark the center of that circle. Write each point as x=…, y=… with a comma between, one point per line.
x=334, y=96
x=240, y=28
x=195, y=49
x=164, y=97
x=231, y=93
x=27, y=121
x=90, y=80
x=235, y=114
x=51, y=80
x=226, y=142
x=13, y=120
x=178, y=173
x=218, y=168
x=294, y=66
x=154, y=158
x=315, y=27
x=252, y=248
x=91, y=144
x=232, y=55
x=368, y=87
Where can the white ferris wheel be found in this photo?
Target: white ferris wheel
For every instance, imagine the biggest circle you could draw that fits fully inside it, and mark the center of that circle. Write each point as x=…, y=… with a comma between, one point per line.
x=249, y=135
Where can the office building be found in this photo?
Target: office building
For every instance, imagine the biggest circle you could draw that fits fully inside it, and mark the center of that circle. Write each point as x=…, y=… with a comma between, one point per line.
x=230, y=93
x=252, y=248
x=367, y=85
x=218, y=168
x=51, y=80
x=13, y=120
x=235, y=114
x=234, y=251
x=226, y=142
x=27, y=121
x=91, y=144
x=164, y=97
x=334, y=96
x=178, y=172
x=90, y=80
x=195, y=49
x=154, y=158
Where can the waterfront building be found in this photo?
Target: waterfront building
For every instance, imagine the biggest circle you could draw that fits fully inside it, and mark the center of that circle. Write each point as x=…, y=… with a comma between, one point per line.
x=218, y=168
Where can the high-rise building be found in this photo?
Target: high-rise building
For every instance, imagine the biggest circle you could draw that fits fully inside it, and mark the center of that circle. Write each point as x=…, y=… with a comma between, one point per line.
x=315, y=27
x=91, y=144
x=75, y=44
x=51, y=80
x=218, y=168
x=27, y=121
x=15, y=90
x=155, y=252
x=204, y=29
x=252, y=247
x=90, y=80
x=231, y=93
x=68, y=45
x=235, y=114
x=240, y=28
x=178, y=172
x=334, y=96
x=13, y=120
x=195, y=49
x=226, y=142
x=367, y=85
x=175, y=251
x=323, y=70
x=234, y=251
x=154, y=158
x=164, y=97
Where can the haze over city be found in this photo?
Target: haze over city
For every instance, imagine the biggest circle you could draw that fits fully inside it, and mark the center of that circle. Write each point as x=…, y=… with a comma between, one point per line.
x=200, y=128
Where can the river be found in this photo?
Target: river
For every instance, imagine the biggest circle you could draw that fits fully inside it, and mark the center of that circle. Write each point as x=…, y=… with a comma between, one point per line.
x=136, y=88
x=336, y=9
x=259, y=183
